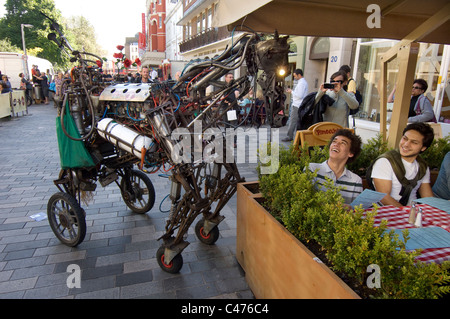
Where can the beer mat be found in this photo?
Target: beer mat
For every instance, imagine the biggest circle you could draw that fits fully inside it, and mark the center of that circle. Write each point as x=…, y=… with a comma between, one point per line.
x=435, y=202
x=425, y=238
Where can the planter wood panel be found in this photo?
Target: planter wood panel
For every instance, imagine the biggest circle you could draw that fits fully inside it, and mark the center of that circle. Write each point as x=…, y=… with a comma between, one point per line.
x=276, y=264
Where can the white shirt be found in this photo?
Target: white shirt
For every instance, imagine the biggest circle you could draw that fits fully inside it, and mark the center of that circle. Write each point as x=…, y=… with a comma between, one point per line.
x=154, y=74
x=382, y=169
x=299, y=93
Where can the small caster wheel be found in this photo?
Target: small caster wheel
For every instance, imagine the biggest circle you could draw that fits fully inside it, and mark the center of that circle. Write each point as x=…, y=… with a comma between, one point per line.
x=209, y=239
x=175, y=264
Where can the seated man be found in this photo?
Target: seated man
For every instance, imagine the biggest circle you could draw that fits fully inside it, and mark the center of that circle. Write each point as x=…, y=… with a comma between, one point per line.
x=344, y=148
x=401, y=173
x=441, y=187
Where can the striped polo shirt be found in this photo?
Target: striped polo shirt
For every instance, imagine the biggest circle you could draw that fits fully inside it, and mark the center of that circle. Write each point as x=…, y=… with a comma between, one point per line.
x=350, y=182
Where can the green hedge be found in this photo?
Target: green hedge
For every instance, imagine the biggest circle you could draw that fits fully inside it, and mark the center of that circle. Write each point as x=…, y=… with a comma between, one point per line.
x=351, y=241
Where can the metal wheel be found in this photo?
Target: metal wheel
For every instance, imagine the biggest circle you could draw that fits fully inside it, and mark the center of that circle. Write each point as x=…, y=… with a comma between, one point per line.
x=67, y=219
x=208, y=239
x=139, y=193
x=175, y=264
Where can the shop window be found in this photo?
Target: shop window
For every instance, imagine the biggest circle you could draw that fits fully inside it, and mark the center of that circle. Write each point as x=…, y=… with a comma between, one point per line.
x=368, y=73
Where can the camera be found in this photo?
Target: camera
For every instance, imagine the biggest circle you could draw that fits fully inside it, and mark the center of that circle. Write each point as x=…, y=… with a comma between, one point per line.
x=328, y=86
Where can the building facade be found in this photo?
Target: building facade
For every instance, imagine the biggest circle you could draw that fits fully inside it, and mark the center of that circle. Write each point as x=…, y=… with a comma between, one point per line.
x=200, y=39
x=156, y=33
x=174, y=33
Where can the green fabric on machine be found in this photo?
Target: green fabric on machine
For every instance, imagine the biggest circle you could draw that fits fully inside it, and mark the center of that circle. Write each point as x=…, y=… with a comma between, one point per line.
x=73, y=154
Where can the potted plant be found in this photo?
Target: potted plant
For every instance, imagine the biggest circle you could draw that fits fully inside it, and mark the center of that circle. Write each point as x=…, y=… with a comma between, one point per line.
x=296, y=242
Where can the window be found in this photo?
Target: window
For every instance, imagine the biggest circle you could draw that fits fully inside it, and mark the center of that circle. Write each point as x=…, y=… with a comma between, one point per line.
x=320, y=49
x=209, y=18
x=368, y=71
x=203, y=22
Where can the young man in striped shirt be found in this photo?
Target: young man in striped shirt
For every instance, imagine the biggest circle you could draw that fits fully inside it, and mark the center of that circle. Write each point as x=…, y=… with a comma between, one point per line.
x=344, y=148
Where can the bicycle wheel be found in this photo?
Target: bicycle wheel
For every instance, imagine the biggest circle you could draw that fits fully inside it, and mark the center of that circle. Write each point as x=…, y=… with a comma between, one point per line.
x=67, y=219
x=140, y=195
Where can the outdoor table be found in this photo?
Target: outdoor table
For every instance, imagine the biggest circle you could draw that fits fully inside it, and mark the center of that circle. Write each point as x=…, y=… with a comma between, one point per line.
x=397, y=218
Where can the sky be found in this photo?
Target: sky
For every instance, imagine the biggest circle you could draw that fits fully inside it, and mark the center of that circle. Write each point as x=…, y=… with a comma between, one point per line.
x=113, y=20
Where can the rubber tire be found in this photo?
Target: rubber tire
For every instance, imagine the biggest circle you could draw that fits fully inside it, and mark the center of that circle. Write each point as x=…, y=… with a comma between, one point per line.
x=211, y=238
x=151, y=193
x=78, y=219
x=175, y=265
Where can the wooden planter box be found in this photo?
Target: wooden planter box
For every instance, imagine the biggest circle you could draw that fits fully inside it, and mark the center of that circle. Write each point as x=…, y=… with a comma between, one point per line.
x=276, y=264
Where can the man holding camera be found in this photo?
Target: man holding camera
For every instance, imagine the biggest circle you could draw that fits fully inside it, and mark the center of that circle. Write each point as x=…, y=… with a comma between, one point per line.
x=339, y=111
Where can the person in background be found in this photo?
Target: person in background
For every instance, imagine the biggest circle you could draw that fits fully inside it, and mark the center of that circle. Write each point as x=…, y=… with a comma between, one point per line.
x=154, y=75
x=45, y=87
x=298, y=94
x=420, y=108
x=417, y=137
x=26, y=85
x=51, y=90
x=145, y=72
x=441, y=187
x=351, y=83
x=230, y=99
x=339, y=111
x=59, y=85
x=345, y=147
x=5, y=87
x=6, y=81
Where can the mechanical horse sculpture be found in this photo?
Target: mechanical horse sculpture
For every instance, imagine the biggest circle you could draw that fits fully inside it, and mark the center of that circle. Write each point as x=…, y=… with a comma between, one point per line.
x=123, y=126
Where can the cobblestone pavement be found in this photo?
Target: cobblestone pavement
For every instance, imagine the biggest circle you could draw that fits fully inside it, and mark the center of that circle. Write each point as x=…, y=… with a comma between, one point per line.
x=117, y=257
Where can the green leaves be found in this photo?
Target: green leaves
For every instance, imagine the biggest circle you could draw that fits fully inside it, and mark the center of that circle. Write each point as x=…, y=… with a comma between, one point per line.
x=77, y=30
x=350, y=239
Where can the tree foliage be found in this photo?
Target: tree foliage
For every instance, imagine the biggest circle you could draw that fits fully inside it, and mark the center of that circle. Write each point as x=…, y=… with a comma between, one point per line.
x=29, y=12
x=77, y=30
x=6, y=46
x=82, y=35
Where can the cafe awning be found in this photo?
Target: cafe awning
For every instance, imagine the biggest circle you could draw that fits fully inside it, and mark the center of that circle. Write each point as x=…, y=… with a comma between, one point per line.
x=331, y=18
x=409, y=21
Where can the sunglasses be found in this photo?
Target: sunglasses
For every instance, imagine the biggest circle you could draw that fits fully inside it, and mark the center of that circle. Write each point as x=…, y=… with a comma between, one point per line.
x=417, y=88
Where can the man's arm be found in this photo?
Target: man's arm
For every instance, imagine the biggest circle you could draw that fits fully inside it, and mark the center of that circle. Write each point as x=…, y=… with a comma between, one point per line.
x=385, y=186
x=425, y=190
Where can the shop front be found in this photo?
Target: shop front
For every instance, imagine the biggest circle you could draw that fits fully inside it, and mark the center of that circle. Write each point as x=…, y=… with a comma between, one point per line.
x=432, y=66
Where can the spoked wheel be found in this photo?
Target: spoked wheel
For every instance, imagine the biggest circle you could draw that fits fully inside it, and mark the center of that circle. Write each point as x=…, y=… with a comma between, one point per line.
x=175, y=264
x=208, y=239
x=139, y=196
x=67, y=219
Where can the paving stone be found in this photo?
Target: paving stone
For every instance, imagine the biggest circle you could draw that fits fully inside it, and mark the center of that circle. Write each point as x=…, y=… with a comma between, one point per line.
x=134, y=278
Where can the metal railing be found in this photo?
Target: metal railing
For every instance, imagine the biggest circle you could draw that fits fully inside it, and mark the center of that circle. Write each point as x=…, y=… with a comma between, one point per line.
x=203, y=38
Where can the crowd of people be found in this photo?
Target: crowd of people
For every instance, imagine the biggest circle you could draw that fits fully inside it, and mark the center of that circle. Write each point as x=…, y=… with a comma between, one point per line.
x=55, y=86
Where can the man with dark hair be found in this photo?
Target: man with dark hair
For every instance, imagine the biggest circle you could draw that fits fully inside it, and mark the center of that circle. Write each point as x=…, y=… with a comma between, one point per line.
x=402, y=173
x=298, y=94
x=344, y=148
x=420, y=109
